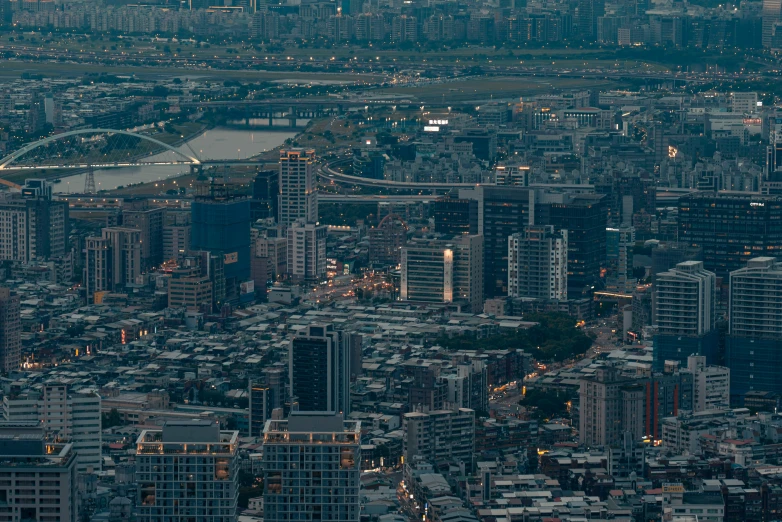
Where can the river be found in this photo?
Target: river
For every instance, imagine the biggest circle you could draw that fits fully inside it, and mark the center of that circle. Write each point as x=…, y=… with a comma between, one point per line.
x=215, y=143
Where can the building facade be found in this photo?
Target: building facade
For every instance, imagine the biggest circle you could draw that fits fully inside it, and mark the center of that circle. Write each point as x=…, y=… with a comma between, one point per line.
x=307, y=251
x=439, y=436
x=10, y=331
x=319, y=370
x=537, y=263
x=298, y=186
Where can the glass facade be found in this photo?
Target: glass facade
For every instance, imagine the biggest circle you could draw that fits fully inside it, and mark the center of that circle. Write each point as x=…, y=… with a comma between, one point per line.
x=223, y=226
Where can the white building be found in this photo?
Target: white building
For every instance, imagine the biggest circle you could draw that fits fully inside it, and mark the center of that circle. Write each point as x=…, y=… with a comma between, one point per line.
x=744, y=102
x=537, y=263
x=189, y=470
x=711, y=384
x=685, y=299
x=322, y=482
x=74, y=416
x=439, y=435
x=307, y=251
x=298, y=186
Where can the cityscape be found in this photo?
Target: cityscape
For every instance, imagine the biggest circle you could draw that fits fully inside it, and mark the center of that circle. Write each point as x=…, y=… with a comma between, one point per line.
x=390, y=261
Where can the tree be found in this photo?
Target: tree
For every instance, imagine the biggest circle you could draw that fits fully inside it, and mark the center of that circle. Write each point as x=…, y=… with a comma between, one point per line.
x=111, y=419
x=545, y=405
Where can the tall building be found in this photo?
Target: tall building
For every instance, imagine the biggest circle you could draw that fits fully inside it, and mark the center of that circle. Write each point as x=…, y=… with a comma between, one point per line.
x=74, y=416
x=502, y=211
x=221, y=225
x=588, y=13
x=47, y=470
x=188, y=470
x=386, y=241
x=307, y=251
x=537, y=263
x=10, y=331
x=176, y=235
x=275, y=249
x=584, y=216
x=710, y=385
x=619, y=258
x=112, y=261
x=267, y=393
x=610, y=405
x=188, y=288
x=453, y=215
x=441, y=435
x=685, y=314
x=731, y=227
x=266, y=195
x=298, y=186
x=34, y=226
x=319, y=369
x=324, y=483
x=772, y=18
x=754, y=344
x=446, y=270
x=96, y=266
x=138, y=214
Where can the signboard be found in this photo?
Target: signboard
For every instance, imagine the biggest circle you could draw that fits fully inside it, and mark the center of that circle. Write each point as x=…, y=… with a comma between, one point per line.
x=232, y=257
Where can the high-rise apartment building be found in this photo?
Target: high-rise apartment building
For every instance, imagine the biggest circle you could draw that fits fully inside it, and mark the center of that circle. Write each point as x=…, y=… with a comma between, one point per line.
x=34, y=226
x=221, y=225
x=298, y=186
x=307, y=251
x=322, y=483
x=47, y=472
x=685, y=314
x=10, y=331
x=453, y=215
x=537, y=263
x=188, y=288
x=188, y=470
x=710, y=385
x=754, y=344
x=149, y=221
x=176, y=235
x=319, y=369
x=772, y=19
x=445, y=270
x=610, y=405
x=74, y=416
x=266, y=393
x=112, y=260
x=731, y=227
x=441, y=435
x=275, y=249
x=386, y=241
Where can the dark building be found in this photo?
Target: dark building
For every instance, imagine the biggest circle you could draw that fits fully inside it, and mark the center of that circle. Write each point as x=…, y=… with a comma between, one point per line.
x=386, y=241
x=221, y=225
x=506, y=210
x=137, y=213
x=319, y=370
x=455, y=216
x=731, y=228
x=484, y=142
x=266, y=195
x=584, y=216
x=668, y=254
x=267, y=393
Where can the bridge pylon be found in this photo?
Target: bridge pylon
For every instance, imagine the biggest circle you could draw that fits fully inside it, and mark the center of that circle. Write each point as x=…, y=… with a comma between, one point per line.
x=89, y=181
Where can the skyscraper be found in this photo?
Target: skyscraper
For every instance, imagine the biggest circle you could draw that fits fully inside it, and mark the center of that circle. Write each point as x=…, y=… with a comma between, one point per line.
x=10, y=331
x=298, y=186
x=447, y=270
x=731, y=227
x=754, y=345
x=188, y=470
x=266, y=195
x=685, y=314
x=221, y=225
x=537, y=263
x=319, y=369
x=323, y=481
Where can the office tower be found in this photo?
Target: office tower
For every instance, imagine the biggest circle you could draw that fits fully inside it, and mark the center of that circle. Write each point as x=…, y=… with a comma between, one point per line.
x=266, y=195
x=47, y=470
x=447, y=271
x=439, y=436
x=267, y=393
x=307, y=251
x=275, y=249
x=221, y=225
x=319, y=369
x=188, y=288
x=584, y=216
x=668, y=254
x=386, y=241
x=731, y=227
x=112, y=260
x=502, y=211
x=610, y=405
x=188, y=470
x=515, y=175
x=74, y=416
x=212, y=265
x=149, y=221
x=772, y=17
x=35, y=227
x=754, y=346
x=537, y=263
x=619, y=256
x=588, y=13
x=684, y=314
x=321, y=485
x=176, y=235
x=710, y=385
x=453, y=215
x=298, y=186
x=10, y=331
